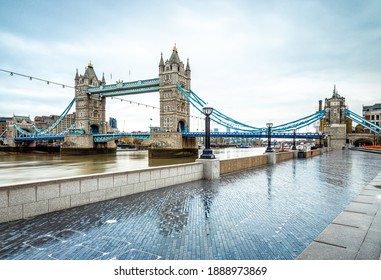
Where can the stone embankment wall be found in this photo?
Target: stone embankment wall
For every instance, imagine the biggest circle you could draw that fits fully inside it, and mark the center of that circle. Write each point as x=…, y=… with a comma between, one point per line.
x=26, y=200
x=238, y=164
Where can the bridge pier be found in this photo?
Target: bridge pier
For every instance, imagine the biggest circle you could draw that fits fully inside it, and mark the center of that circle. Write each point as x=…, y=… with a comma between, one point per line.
x=75, y=144
x=172, y=145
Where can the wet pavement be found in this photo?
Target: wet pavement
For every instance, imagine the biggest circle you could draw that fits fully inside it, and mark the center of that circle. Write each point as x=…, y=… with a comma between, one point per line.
x=273, y=212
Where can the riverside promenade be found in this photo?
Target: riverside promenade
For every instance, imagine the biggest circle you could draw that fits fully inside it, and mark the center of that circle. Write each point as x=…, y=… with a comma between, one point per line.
x=271, y=212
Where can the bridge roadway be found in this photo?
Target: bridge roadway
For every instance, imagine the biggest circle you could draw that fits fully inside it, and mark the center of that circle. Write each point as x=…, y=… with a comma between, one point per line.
x=108, y=137
x=273, y=212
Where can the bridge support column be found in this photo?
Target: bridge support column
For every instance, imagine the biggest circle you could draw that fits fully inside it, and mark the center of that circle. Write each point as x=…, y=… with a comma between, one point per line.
x=166, y=145
x=75, y=144
x=337, y=135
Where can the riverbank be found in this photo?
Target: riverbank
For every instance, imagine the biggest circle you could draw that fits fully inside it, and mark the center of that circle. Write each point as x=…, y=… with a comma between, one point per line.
x=23, y=200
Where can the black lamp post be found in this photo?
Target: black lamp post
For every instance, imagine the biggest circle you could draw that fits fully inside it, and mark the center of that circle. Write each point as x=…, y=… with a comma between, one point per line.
x=293, y=143
x=269, y=149
x=207, y=153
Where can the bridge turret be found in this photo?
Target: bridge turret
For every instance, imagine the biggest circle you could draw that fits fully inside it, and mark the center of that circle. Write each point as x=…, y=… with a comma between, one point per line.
x=76, y=77
x=174, y=108
x=90, y=109
x=335, y=122
x=103, y=80
x=161, y=64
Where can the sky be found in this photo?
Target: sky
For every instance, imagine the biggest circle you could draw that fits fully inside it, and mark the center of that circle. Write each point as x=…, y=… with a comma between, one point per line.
x=255, y=61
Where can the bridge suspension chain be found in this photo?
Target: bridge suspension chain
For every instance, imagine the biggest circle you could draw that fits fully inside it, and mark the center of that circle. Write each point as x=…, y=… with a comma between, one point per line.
x=361, y=121
x=228, y=122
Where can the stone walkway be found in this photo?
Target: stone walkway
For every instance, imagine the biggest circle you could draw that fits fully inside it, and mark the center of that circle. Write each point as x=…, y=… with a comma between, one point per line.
x=271, y=213
x=356, y=232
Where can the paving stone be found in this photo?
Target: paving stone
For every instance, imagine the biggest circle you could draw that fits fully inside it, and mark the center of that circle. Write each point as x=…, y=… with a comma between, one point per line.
x=369, y=209
x=354, y=219
x=321, y=251
x=348, y=237
x=369, y=251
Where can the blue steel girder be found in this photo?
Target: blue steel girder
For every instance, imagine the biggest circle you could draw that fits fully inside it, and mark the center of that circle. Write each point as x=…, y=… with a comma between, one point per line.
x=36, y=138
x=282, y=135
x=128, y=88
x=102, y=138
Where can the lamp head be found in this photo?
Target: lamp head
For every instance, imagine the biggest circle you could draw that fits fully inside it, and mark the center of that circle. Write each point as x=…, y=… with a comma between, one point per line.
x=207, y=111
x=269, y=124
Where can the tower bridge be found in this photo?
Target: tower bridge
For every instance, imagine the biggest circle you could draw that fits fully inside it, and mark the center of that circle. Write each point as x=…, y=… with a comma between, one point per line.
x=89, y=134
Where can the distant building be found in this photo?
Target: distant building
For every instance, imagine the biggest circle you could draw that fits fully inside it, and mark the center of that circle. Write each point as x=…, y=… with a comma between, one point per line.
x=3, y=124
x=373, y=114
x=43, y=122
x=21, y=119
x=67, y=122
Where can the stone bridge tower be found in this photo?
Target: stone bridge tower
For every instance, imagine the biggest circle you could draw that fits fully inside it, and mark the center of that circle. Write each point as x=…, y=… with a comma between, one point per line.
x=335, y=122
x=174, y=107
x=174, y=111
x=90, y=117
x=90, y=109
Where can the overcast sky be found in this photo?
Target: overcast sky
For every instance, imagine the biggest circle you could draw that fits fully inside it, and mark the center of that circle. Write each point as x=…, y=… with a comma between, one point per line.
x=255, y=61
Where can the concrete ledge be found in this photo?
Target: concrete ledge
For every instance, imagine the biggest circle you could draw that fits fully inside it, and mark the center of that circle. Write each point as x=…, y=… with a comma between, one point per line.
x=26, y=200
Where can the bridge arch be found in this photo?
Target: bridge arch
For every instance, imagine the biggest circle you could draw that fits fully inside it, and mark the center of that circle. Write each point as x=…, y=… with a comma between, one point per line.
x=94, y=129
x=362, y=142
x=181, y=126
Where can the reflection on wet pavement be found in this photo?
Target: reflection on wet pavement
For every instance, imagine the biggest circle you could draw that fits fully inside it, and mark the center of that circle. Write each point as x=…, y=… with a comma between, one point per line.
x=272, y=212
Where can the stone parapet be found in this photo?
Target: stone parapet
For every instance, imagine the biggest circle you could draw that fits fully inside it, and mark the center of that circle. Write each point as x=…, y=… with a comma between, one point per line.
x=36, y=198
x=239, y=164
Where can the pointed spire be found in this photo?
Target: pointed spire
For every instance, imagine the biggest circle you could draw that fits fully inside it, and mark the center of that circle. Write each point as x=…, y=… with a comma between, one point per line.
x=175, y=56
x=76, y=75
x=187, y=67
x=334, y=91
x=161, y=60
x=103, y=79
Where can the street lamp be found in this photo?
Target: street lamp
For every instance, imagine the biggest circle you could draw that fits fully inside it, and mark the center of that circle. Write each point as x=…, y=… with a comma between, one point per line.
x=207, y=153
x=293, y=143
x=269, y=149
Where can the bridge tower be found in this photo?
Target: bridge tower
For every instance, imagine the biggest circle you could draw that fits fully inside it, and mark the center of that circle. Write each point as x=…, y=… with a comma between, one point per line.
x=174, y=107
x=90, y=117
x=90, y=109
x=335, y=123
x=174, y=111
